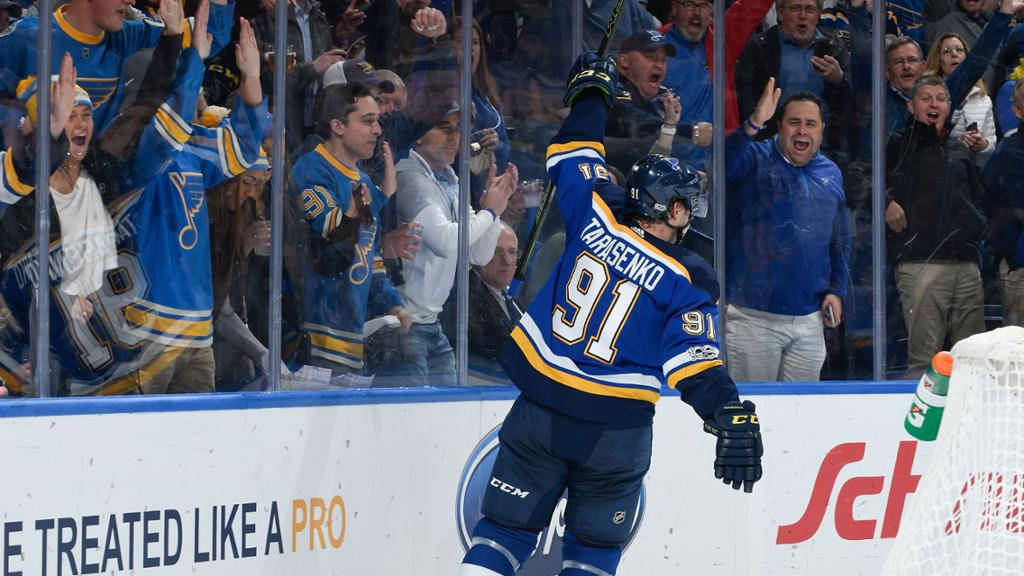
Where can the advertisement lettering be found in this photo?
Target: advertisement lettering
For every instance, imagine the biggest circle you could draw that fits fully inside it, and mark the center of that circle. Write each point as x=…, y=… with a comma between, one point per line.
x=903, y=482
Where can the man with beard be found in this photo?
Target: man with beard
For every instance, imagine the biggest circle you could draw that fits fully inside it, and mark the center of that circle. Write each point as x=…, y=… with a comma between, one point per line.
x=788, y=258
x=934, y=228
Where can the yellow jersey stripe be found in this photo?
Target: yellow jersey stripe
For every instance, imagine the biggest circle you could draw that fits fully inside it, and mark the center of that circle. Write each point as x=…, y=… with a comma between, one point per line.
x=74, y=33
x=687, y=371
x=574, y=381
x=348, y=172
x=170, y=127
x=636, y=238
x=11, y=177
x=336, y=344
x=175, y=326
x=229, y=146
x=554, y=149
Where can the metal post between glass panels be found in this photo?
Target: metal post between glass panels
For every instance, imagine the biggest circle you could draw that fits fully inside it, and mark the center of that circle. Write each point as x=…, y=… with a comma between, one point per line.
x=718, y=167
x=465, y=120
x=878, y=192
x=277, y=193
x=41, y=324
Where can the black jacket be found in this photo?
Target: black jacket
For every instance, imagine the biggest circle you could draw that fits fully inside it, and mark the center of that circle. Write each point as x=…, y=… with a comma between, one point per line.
x=761, y=59
x=939, y=194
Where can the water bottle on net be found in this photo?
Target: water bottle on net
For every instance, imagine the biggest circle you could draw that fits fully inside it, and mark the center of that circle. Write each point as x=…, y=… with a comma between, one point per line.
x=926, y=410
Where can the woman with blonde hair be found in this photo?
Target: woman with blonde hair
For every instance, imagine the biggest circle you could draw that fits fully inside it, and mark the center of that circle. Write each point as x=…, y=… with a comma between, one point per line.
x=949, y=51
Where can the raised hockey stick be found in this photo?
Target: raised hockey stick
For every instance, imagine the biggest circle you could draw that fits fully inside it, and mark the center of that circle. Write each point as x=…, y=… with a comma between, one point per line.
x=549, y=189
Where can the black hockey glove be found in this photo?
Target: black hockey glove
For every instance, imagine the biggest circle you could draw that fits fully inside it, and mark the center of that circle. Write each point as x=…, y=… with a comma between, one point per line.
x=739, y=449
x=591, y=72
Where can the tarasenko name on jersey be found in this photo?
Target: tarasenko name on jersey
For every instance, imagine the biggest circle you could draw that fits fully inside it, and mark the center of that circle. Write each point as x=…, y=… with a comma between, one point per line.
x=603, y=244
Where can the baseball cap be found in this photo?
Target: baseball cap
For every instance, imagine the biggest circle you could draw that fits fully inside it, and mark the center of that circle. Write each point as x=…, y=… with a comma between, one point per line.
x=13, y=8
x=646, y=41
x=360, y=71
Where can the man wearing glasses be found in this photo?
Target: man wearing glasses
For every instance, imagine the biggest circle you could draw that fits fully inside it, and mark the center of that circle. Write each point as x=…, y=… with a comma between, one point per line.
x=691, y=31
x=801, y=58
x=904, y=64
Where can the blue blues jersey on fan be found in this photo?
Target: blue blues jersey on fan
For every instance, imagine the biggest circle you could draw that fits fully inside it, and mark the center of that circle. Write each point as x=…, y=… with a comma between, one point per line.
x=162, y=291
x=99, y=58
x=622, y=312
x=335, y=305
x=176, y=163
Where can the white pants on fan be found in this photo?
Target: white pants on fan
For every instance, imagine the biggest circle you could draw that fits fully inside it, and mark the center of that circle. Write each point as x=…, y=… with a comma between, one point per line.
x=766, y=347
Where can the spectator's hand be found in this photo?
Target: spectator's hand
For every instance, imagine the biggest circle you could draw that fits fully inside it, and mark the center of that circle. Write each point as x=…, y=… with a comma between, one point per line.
x=403, y=317
x=247, y=53
x=429, y=23
x=359, y=203
x=829, y=69
x=327, y=59
x=81, y=309
x=499, y=189
x=704, y=133
x=673, y=108
x=247, y=57
x=488, y=139
x=258, y=238
x=389, y=181
x=974, y=140
x=350, y=21
x=63, y=96
x=267, y=5
x=832, y=301
x=173, y=17
x=767, y=104
x=703, y=179
x=402, y=242
x=201, y=39
x=1011, y=6
x=895, y=217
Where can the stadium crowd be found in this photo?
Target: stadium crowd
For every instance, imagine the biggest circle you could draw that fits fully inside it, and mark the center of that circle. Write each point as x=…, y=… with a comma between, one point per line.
x=161, y=140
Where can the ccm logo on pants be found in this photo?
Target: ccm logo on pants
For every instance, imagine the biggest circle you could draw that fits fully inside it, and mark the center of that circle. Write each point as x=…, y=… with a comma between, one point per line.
x=508, y=488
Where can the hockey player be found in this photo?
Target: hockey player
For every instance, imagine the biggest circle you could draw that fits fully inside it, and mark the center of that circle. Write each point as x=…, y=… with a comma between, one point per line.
x=584, y=361
x=344, y=277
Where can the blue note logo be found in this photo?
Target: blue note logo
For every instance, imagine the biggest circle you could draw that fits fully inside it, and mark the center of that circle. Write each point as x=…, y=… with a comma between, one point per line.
x=476, y=475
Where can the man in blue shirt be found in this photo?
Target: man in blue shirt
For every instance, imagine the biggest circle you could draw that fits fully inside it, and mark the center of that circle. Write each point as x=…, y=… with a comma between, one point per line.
x=801, y=58
x=788, y=258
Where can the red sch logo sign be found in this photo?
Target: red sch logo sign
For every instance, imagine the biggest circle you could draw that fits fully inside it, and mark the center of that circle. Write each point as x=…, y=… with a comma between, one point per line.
x=847, y=527
x=997, y=499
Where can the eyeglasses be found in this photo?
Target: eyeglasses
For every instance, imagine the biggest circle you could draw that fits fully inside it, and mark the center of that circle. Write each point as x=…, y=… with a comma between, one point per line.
x=909, y=60
x=953, y=50
x=694, y=6
x=809, y=9
x=513, y=252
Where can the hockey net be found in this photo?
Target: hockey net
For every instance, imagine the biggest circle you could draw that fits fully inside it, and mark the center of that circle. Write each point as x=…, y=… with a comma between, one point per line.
x=967, y=517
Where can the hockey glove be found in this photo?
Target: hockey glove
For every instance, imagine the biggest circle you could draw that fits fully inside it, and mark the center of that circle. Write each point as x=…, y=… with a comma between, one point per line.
x=738, y=450
x=592, y=73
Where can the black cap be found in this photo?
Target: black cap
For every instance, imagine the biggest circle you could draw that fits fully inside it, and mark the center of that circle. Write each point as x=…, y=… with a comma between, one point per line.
x=648, y=41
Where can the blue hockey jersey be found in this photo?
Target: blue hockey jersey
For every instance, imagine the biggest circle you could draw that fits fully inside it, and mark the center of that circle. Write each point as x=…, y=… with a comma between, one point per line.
x=176, y=163
x=335, y=306
x=162, y=291
x=99, y=58
x=620, y=315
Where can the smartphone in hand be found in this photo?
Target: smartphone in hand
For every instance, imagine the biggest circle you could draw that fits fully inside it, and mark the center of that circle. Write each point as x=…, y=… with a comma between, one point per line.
x=824, y=47
x=831, y=316
x=972, y=127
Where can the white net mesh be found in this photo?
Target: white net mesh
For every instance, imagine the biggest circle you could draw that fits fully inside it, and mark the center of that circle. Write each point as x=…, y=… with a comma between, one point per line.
x=967, y=517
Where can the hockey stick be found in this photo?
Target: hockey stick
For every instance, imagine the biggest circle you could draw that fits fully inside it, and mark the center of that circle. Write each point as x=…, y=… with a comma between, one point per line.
x=549, y=189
